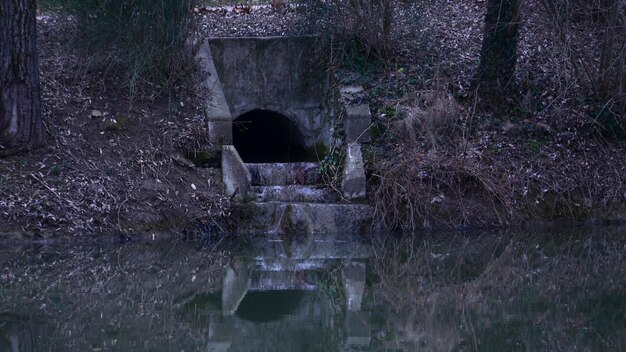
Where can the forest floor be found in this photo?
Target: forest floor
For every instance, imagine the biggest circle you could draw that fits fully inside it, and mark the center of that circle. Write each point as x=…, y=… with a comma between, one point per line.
x=440, y=157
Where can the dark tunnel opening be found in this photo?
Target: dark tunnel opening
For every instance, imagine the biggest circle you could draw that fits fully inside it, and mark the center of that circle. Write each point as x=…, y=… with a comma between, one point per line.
x=264, y=136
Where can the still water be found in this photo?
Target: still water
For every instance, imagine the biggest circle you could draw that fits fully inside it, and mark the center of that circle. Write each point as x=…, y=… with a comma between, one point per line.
x=498, y=291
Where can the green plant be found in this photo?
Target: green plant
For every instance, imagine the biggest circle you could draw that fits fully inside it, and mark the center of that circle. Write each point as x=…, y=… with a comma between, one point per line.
x=331, y=166
x=533, y=145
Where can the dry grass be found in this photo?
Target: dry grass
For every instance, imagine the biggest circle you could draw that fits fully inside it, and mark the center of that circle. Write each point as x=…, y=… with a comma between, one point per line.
x=432, y=116
x=432, y=181
x=433, y=191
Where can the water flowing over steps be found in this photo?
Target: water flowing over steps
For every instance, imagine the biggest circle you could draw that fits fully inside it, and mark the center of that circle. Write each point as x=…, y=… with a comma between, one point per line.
x=294, y=193
x=282, y=174
x=290, y=198
x=289, y=182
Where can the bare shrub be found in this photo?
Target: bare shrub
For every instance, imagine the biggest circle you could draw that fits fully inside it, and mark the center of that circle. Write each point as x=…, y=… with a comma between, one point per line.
x=432, y=116
x=143, y=41
x=599, y=67
x=367, y=21
x=431, y=190
x=430, y=182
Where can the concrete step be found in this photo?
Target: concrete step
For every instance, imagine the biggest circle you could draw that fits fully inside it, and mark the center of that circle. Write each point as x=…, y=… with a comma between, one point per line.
x=294, y=193
x=303, y=218
x=280, y=174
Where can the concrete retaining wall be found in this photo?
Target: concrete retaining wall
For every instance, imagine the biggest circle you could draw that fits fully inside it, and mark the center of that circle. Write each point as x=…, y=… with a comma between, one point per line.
x=275, y=73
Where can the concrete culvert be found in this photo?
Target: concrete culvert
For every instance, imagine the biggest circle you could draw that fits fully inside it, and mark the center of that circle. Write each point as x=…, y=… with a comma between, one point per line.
x=265, y=136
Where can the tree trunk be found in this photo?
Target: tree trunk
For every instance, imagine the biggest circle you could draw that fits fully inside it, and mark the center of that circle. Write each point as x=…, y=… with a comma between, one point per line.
x=499, y=50
x=20, y=102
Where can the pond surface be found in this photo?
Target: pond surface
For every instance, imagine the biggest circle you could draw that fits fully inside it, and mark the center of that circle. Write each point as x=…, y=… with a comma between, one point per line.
x=497, y=291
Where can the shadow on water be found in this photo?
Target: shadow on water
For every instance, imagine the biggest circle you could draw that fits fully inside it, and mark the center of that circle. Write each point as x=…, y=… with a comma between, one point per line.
x=503, y=291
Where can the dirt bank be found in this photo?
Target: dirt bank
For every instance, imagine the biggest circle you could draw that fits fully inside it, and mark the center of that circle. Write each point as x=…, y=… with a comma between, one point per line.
x=109, y=167
x=439, y=156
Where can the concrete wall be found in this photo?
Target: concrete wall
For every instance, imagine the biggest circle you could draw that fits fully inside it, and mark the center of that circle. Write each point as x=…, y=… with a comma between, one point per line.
x=275, y=73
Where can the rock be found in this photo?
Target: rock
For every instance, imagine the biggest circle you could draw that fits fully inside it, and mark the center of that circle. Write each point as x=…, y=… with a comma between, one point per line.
x=182, y=161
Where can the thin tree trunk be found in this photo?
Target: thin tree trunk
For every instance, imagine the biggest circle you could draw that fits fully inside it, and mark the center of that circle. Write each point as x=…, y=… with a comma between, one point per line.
x=20, y=102
x=605, y=71
x=621, y=64
x=499, y=49
x=387, y=20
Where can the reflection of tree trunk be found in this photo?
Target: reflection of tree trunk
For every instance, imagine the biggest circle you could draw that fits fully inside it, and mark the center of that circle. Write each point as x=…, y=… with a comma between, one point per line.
x=499, y=49
x=20, y=105
x=621, y=75
x=15, y=334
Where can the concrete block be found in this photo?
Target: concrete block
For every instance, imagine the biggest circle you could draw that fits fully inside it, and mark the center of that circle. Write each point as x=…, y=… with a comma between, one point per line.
x=353, y=183
x=217, y=106
x=358, y=329
x=235, y=287
x=217, y=109
x=235, y=174
x=220, y=132
x=357, y=124
x=351, y=91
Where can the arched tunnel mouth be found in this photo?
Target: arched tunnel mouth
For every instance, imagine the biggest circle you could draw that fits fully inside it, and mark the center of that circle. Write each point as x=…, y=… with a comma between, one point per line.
x=265, y=136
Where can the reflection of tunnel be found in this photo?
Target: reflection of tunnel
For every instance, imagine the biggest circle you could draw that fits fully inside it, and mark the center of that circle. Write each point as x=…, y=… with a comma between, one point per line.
x=263, y=136
x=267, y=306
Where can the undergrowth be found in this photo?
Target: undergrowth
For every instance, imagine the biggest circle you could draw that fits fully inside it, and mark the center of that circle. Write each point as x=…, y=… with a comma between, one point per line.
x=446, y=169
x=145, y=42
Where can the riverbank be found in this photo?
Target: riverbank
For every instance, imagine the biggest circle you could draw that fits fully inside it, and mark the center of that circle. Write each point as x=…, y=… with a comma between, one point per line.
x=439, y=157
x=444, y=156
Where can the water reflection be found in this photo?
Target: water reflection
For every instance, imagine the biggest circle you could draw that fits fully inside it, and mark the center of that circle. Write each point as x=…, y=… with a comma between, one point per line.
x=291, y=295
x=16, y=334
x=455, y=292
